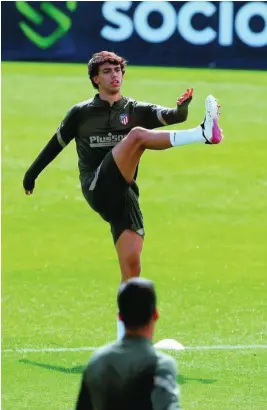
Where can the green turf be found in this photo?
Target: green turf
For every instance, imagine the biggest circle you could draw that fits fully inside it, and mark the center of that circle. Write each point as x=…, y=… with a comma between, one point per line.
x=206, y=220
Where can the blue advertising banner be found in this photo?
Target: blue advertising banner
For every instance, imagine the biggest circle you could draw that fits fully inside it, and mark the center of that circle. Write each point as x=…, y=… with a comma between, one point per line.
x=226, y=34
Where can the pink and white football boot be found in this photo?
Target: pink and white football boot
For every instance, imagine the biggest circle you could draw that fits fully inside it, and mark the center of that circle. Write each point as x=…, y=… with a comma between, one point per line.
x=210, y=127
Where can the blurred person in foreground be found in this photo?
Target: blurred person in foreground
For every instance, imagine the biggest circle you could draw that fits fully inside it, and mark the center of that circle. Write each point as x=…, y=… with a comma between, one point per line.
x=112, y=132
x=131, y=374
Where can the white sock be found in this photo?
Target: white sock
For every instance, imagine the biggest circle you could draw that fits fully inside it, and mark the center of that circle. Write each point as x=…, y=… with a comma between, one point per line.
x=185, y=137
x=120, y=329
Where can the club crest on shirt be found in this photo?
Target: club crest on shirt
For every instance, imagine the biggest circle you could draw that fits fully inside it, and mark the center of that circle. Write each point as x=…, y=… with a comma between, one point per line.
x=124, y=119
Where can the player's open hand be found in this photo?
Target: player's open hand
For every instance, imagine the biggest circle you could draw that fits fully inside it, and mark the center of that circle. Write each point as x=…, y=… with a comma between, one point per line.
x=28, y=184
x=186, y=98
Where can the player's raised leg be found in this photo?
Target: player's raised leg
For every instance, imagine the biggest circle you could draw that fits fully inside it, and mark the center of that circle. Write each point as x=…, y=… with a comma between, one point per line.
x=128, y=152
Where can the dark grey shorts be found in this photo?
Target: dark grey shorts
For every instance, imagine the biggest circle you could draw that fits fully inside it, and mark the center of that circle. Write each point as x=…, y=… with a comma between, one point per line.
x=113, y=198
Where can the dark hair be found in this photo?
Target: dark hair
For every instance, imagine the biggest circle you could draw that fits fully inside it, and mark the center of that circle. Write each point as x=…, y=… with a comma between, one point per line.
x=137, y=302
x=101, y=58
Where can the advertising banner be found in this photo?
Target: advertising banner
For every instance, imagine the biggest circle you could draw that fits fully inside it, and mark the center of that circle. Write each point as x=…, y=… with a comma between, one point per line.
x=222, y=34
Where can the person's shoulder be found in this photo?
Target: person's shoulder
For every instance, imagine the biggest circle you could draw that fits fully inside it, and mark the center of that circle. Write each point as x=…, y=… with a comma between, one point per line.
x=75, y=109
x=133, y=101
x=139, y=105
x=84, y=104
x=166, y=362
x=129, y=101
x=102, y=352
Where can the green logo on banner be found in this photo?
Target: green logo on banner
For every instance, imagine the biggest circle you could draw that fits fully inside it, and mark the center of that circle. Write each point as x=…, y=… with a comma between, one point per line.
x=62, y=20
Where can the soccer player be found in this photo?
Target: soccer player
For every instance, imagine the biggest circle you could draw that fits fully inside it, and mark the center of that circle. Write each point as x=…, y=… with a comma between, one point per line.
x=130, y=374
x=111, y=133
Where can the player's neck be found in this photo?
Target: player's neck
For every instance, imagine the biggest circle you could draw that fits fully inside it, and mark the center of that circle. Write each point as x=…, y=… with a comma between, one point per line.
x=111, y=98
x=146, y=332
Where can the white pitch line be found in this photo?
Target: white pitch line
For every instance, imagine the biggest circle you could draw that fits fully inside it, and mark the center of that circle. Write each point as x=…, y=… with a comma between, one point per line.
x=50, y=349
x=91, y=348
x=226, y=347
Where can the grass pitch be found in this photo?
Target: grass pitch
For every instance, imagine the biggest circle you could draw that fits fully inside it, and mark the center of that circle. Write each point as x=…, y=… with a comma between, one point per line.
x=206, y=221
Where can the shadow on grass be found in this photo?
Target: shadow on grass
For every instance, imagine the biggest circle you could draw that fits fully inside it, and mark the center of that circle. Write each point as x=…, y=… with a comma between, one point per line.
x=70, y=370
x=79, y=369
x=184, y=380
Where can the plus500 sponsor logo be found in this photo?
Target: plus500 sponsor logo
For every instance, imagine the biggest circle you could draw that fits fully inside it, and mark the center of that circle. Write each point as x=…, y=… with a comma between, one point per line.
x=229, y=22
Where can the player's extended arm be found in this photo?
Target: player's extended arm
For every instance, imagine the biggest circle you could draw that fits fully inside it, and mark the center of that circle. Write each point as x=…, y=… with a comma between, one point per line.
x=63, y=136
x=178, y=114
x=154, y=116
x=51, y=150
x=165, y=393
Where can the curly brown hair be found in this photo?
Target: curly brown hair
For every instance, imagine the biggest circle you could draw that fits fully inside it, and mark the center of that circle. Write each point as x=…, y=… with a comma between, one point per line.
x=101, y=58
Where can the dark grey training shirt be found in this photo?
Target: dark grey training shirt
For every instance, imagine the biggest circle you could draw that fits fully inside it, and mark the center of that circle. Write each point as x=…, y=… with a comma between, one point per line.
x=129, y=375
x=98, y=126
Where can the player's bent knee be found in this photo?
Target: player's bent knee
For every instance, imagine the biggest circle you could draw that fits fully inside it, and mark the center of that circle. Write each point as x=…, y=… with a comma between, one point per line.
x=138, y=135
